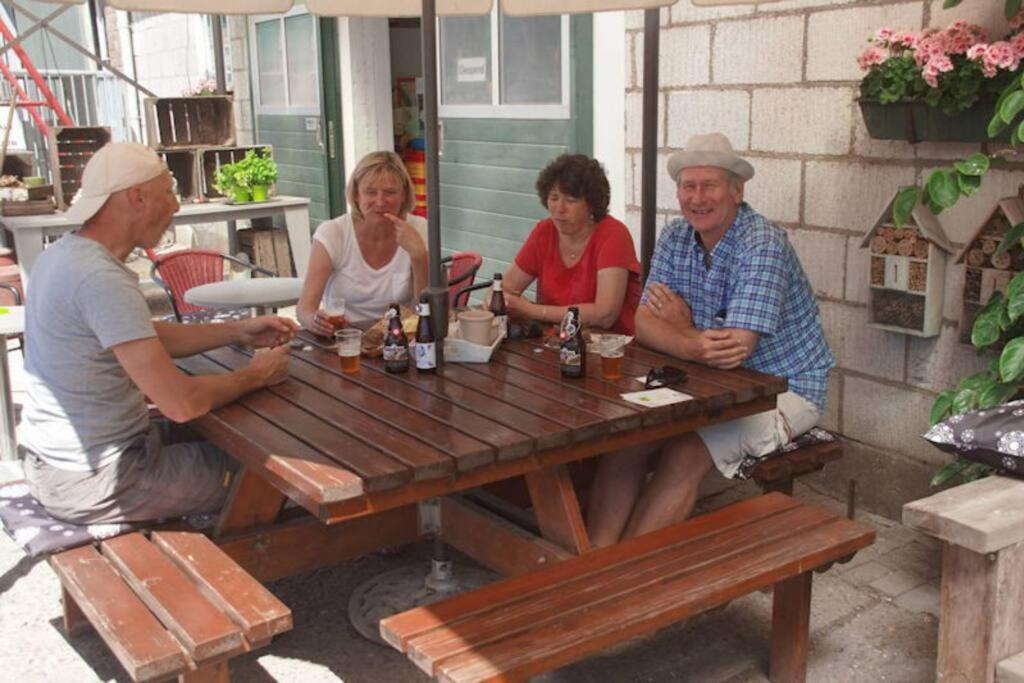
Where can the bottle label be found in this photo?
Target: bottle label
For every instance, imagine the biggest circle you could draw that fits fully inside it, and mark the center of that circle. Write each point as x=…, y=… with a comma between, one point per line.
x=502, y=323
x=569, y=357
x=497, y=286
x=391, y=313
x=426, y=355
x=396, y=352
x=422, y=309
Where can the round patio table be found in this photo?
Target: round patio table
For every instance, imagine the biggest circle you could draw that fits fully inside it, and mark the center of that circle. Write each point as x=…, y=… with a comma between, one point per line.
x=259, y=293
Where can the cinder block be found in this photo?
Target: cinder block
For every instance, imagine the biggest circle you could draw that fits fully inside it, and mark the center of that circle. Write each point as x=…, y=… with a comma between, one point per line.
x=830, y=418
x=836, y=38
x=859, y=347
x=667, y=199
x=635, y=19
x=866, y=146
x=961, y=221
x=692, y=112
x=945, y=150
x=635, y=119
x=761, y=50
x=939, y=363
x=774, y=190
x=632, y=194
x=789, y=5
x=688, y=12
x=890, y=418
x=684, y=57
x=987, y=14
x=850, y=195
x=801, y=120
x=823, y=256
x=858, y=263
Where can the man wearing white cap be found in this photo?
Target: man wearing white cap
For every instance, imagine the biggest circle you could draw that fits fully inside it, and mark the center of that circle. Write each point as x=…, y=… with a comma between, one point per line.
x=93, y=354
x=725, y=289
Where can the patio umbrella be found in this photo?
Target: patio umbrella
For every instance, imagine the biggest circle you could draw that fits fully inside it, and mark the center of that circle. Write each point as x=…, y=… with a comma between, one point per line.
x=429, y=10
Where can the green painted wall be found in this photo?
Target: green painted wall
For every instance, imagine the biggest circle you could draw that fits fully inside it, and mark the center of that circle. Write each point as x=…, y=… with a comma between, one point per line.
x=489, y=167
x=300, y=161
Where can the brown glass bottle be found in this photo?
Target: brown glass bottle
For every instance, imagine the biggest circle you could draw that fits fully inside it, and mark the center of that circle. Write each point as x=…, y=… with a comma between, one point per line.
x=396, y=346
x=426, y=348
x=573, y=353
x=498, y=307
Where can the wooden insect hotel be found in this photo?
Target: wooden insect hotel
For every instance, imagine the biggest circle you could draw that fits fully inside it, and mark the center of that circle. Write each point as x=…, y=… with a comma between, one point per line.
x=908, y=268
x=986, y=271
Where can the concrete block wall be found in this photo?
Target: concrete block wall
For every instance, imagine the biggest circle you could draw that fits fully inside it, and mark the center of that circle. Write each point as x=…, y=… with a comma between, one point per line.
x=781, y=80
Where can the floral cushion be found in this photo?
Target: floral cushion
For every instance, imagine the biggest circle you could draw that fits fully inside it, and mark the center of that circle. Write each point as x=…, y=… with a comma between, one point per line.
x=994, y=437
x=37, y=533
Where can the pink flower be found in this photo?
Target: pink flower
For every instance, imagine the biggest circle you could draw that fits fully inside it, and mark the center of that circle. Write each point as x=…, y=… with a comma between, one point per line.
x=976, y=51
x=1002, y=56
x=871, y=57
x=1018, y=44
x=1017, y=22
x=883, y=37
x=930, y=75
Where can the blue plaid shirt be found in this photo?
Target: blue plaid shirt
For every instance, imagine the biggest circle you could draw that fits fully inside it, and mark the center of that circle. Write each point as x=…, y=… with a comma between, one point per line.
x=754, y=282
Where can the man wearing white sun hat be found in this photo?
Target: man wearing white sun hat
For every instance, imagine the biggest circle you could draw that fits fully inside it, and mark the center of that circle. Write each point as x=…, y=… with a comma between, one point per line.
x=93, y=355
x=725, y=289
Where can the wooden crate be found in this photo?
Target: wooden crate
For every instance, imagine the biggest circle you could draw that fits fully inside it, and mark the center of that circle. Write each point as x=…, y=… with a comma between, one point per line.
x=189, y=121
x=213, y=158
x=70, y=149
x=267, y=248
x=183, y=165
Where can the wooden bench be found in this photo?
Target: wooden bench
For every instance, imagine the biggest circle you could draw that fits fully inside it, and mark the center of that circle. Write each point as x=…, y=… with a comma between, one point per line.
x=777, y=472
x=536, y=622
x=170, y=605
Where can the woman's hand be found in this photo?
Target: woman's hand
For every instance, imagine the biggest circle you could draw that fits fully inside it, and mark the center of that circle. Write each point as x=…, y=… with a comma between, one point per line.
x=407, y=237
x=519, y=306
x=318, y=323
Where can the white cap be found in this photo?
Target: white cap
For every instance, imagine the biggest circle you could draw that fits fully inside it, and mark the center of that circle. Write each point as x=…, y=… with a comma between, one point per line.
x=115, y=167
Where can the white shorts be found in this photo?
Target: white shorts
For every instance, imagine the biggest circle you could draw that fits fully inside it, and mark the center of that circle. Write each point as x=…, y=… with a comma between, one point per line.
x=759, y=434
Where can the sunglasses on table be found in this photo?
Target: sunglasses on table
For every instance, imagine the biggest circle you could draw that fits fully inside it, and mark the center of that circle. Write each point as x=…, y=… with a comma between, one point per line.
x=665, y=376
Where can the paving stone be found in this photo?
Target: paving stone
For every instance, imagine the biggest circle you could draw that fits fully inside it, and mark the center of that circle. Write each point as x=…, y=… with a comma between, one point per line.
x=923, y=599
x=867, y=572
x=898, y=582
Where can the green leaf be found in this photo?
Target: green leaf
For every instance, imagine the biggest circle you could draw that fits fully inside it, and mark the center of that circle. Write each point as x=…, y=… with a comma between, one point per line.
x=999, y=392
x=996, y=125
x=1015, y=298
x=905, y=202
x=1011, y=8
x=947, y=472
x=940, y=409
x=986, y=331
x=976, y=164
x=976, y=381
x=975, y=471
x=969, y=184
x=943, y=188
x=1011, y=360
x=1011, y=106
x=964, y=401
x=947, y=4
x=1011, y=239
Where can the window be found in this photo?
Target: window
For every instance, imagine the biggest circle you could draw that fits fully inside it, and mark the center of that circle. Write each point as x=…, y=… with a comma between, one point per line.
x=285, y=58
x=522, y=73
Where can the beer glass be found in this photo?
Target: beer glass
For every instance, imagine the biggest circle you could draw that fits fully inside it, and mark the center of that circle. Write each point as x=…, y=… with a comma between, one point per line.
x=334, y=311
x=350, y=343
x=613, y=349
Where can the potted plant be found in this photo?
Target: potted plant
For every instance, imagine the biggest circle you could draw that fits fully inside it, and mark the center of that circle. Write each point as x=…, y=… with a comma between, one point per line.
x=261, y=171
x=937, y=85
x=234, y=181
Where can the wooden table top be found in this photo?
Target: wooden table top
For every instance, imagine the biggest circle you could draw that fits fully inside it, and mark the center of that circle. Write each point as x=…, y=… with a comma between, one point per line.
x=343, y=445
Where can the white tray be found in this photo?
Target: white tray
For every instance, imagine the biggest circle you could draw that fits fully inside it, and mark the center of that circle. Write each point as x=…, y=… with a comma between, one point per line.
x=458, y=350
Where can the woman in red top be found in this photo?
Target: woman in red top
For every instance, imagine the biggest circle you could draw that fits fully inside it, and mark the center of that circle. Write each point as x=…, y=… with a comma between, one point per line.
x=580, y=256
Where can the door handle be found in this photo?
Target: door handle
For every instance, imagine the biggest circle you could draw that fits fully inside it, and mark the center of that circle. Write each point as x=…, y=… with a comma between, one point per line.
x=440, y=139
x=331, y=147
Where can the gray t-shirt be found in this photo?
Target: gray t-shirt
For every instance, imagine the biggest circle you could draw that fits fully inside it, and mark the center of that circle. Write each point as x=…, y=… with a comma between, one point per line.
x=82, y=410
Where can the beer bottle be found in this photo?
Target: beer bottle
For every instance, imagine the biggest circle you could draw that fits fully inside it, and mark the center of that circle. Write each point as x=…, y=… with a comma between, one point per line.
x=498, y=307
x=396, y=346
x=426, y=350
x=573, y=354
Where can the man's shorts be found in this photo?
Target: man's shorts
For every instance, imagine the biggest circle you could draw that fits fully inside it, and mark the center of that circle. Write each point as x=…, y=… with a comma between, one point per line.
x=759, y=434
x=168, y=474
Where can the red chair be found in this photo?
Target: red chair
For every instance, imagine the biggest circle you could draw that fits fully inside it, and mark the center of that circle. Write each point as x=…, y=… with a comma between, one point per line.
x=462, y=267
x=179, y=271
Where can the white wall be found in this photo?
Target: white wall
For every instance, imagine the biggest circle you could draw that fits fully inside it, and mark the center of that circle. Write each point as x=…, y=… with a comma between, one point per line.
x=173, y=52
x=609, y=114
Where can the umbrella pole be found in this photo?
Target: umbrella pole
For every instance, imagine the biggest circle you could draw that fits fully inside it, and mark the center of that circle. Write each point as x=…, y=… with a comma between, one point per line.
x=437, y=292
x=649, y=149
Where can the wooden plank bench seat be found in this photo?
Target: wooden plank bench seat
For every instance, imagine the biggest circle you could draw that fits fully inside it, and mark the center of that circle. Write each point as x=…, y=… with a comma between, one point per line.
x=169, y=605
x=523, y=626
x=777, y=472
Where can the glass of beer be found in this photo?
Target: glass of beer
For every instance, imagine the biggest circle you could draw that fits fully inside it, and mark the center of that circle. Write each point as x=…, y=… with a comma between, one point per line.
x=350, y=343
x=334, y=311
x=613, y=349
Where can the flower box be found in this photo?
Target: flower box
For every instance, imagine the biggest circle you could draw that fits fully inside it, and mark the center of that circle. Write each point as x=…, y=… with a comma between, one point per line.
x=919, y=122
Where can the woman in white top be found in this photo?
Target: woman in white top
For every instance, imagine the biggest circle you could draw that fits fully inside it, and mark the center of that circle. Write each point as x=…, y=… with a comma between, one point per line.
x=374, y=255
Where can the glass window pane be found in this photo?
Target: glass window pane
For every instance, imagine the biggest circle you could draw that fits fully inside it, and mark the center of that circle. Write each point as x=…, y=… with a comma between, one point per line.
x=302, y=71
x=531, y=60
x=270, y=63
x=466, y=60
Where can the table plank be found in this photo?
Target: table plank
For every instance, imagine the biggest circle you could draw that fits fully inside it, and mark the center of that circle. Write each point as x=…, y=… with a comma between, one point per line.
x=507, y=443
x=426, y=461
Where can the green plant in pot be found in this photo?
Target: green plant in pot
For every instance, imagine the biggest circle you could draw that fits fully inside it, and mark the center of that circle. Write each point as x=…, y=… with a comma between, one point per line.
x=261, y=170
x=234, y=181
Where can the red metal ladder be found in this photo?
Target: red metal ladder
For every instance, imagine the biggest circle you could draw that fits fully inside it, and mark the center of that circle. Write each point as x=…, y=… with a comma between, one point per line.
x=21, y=98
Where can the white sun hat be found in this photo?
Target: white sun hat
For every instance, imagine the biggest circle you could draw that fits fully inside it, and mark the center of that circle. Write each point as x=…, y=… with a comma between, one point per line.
x=712, y=149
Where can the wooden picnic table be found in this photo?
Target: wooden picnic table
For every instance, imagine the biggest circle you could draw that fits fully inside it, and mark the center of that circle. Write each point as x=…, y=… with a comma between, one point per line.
x=368, y=455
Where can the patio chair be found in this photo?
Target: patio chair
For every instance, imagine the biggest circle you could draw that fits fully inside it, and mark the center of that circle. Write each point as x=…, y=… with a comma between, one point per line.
x=14, y=294
x=179, y=271
x=462, y=267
